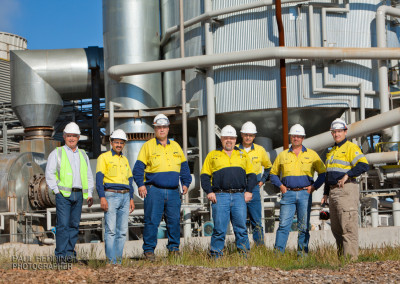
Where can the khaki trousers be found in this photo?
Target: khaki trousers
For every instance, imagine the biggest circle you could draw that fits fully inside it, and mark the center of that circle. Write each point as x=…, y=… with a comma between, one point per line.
x=343, y=209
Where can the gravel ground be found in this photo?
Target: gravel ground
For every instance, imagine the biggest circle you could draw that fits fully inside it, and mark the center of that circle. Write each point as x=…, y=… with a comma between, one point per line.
x=366, y=272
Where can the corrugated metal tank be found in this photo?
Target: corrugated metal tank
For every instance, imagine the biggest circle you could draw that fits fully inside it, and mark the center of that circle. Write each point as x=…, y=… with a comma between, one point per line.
x=254, y=87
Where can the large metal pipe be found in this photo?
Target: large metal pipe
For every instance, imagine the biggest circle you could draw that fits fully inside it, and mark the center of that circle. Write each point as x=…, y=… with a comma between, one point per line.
x=357, y=129
x=118, y=72
x=383, y=157
x=41, y=79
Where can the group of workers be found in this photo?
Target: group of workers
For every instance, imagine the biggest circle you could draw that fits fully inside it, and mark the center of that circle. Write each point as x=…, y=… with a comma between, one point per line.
x=231, y=176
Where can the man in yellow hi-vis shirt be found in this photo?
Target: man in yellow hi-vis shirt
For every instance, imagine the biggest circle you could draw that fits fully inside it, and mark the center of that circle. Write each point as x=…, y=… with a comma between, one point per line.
x=159, y=167
x=344, y=162
x=228, y=179
x=259, y=159
x=114, y=186
x=296, y=166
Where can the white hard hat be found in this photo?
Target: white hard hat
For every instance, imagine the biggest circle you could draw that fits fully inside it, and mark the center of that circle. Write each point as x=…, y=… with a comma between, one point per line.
x=119, y=134
x=228, y=131
x=249, y=127
x=160, y=120
x=297, y=129
x=338, y=124
x=72, y=128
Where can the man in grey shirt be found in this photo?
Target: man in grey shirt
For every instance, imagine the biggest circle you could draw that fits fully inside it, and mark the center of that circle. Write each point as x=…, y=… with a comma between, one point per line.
x=69, y=176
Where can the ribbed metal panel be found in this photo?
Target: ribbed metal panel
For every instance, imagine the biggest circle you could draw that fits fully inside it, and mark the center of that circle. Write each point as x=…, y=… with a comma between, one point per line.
x=10, y=42
x=5, y=85
x=255, y=85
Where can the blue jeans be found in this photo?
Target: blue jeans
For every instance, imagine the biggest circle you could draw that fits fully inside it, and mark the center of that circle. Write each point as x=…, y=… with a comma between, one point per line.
x=157, y=202
x=68, y=213
x=229, y=206
x=254, y=214
x=291, y=202
x=116, y=223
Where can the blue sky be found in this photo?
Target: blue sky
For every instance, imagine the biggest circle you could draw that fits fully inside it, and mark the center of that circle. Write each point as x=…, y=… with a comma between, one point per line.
x=54, y=24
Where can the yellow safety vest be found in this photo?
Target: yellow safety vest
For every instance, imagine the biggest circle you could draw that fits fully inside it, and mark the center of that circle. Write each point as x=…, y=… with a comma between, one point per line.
x=64, y=173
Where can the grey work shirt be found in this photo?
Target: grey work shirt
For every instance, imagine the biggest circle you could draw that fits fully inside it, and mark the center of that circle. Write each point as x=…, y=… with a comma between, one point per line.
x=74, y=160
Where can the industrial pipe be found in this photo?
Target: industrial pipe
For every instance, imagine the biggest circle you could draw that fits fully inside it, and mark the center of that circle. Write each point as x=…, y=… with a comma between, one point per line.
x=383, y=157
x=117, y=72
x=112, y=105
x=282, y=76
x=2, y=218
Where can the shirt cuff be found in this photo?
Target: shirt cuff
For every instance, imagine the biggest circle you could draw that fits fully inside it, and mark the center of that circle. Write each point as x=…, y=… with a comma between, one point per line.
x=55, y=191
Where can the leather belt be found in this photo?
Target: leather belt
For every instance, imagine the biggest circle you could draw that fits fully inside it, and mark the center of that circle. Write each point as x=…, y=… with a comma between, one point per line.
x=297, y=189
x=117, y=191
x=233, y=190
x=74, y=189
x=347, y=181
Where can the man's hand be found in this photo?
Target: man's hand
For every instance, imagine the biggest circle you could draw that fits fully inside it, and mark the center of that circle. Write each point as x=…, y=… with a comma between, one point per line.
x=283, y=189
x=142, y=191
x=248, y=196
x=90, y=201
x=310, y=189
x=212, y=197
x=324, y=199
x=260, y=184
x=185, y=189
x=131, y=206
x=104, y=204
x=343, y=180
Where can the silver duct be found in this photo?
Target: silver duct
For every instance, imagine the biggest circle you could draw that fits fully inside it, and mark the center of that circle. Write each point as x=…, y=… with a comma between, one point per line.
x=41, y=79
x=131, y=31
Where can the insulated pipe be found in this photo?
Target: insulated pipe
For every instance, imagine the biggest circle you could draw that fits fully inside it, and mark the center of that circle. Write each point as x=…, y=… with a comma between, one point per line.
x=381, y=14
x=209, y=48
x=209, y=14
x=383, y=157
x=117, y=72
x=357, y=129
x=282, y=73
x=374, y=212
x=396, y=211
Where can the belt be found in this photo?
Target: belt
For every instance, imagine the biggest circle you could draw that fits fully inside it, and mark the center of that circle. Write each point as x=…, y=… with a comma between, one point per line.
x=117, y=191
x=233, y=190
x=297, y=189
x=347, y=181
x=76, y=189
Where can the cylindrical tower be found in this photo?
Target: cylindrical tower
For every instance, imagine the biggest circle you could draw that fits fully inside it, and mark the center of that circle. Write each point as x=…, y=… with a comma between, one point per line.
x=131, y=35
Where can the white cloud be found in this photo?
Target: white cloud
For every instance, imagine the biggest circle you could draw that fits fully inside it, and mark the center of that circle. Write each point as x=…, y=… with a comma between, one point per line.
x=10, y=11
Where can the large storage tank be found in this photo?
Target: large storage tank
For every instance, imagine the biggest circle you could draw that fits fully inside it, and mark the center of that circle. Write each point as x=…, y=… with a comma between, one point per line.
x=254, y=87
x=8, y=42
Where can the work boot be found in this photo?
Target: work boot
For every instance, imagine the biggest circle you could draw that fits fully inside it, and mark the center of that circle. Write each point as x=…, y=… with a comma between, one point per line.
x=150, y=256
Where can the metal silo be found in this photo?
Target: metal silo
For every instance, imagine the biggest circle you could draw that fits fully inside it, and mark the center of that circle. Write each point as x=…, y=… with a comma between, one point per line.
x=131, y=32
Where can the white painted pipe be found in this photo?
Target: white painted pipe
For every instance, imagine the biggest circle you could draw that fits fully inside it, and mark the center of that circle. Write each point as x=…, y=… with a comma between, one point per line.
x=187, y=227
x=116, y=72
x=2, y=222
x=396, y=212
x=112, y=106
x=48, y=241
x=374, y=212
x=383, y=157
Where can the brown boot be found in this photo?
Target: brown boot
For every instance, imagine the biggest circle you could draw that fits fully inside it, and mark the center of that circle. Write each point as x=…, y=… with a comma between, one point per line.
x=150, y=256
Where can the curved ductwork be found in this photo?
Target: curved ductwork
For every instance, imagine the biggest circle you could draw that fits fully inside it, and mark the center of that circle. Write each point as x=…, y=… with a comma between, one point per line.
x=41, y=79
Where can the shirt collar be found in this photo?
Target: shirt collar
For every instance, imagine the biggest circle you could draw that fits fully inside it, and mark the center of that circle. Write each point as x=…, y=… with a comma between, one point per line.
x=303, y=149
x=341, y=143
x=159, y=143
x=68, y=148
x=242, y=147
x=221, y=149
x=114, y=153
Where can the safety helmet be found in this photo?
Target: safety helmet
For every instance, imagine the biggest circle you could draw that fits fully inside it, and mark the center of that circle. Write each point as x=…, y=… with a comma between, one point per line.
x=160, y=120
x=72, y=128
x=119, y=134
x=228, y=131
x=338, y=124
x=249, y=127
x=297, y=129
